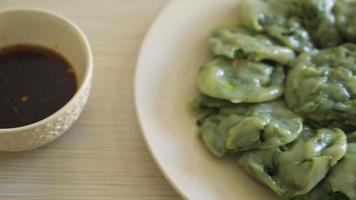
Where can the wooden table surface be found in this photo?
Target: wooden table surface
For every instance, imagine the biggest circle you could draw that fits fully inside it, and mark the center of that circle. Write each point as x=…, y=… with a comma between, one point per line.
x=103, y=156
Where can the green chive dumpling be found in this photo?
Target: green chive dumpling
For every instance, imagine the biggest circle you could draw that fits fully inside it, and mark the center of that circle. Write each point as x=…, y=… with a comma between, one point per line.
x=318, y=18
x=298, y=167
x=241, y=80
x=260, y=165
x=309, y=159
x=322, y=85
x=252, y=12
x=346, y=18
x=244, y=127
x=340, y=184
x=270, y=17
x=244, y=44
x=289, y=32
x=343, y=176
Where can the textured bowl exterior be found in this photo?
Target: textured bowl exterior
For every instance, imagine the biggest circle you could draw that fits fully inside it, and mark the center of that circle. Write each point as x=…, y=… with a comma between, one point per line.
x=44, y=133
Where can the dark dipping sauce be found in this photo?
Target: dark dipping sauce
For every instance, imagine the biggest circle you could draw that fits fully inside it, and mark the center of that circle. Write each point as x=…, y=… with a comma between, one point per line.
x=35, y=82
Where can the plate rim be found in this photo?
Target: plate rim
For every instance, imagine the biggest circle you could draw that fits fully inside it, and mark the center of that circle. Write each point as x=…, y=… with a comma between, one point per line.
x=147, y=36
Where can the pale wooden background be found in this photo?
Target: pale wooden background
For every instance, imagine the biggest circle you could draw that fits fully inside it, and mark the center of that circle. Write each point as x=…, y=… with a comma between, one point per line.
x=103, y=156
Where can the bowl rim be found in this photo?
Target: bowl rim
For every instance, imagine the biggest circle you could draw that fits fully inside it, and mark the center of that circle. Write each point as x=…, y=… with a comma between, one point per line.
x=88, y=67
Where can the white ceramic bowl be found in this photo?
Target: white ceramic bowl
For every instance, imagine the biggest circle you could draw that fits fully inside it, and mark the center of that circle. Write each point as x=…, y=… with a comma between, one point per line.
x=47, y=29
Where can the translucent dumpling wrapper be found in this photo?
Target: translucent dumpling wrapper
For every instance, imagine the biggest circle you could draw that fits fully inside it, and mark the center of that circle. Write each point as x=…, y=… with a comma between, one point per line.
x=270, y=17
x=346, y=18
x=251, y=13
x=343, y=176
x=318, y=18
x=288, y=31
x=298, y=167
x=340, y=184
x=234, y=42
x=241, y=80
x=309, y=159
x=244, y=127
x=260, y=165
x=322, y=85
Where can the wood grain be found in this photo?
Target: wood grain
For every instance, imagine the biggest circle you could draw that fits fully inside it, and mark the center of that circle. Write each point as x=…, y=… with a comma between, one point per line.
x=103, y=156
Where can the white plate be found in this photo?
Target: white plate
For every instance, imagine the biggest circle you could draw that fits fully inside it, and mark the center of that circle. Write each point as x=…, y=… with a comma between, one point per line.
x=175, y=48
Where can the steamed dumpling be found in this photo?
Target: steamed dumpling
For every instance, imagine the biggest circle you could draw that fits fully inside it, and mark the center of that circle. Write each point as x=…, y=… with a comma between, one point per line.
x=243, y=87
x=318, y=18
x=241, y=80
x=267, y=17
x=297, y=168
x=322, y=85
x=343, y=176
x=288, y=31
x=252, y=12
x=346, y=18
x=340, y=184
x=311, y=155
x=260, y=165
x=245, y=127
x=242, y=43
